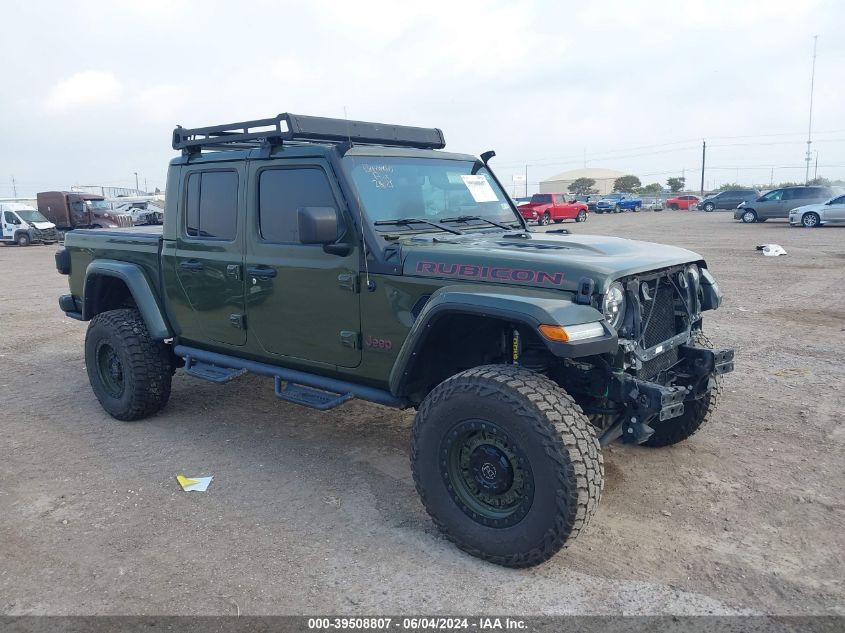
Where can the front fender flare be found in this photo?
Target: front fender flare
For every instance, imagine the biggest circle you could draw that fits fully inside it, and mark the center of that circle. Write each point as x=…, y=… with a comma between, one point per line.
x=140, y=288
x=528, y=306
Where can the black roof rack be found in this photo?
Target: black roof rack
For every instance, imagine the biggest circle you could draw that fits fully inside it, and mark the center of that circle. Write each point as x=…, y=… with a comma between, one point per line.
x=296, y=127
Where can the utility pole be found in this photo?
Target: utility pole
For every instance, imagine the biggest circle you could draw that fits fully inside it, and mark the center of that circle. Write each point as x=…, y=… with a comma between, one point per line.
x=810, y=124
x=526, y=180
x=14, y=187
x=772, y=178
x=816, y=170
x=703, y=159
x=136, y=180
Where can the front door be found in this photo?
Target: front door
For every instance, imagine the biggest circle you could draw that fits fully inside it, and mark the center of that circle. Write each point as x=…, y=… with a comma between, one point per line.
x=835, y=211
x=209, y=253
x=302, y=302
x=9, y=226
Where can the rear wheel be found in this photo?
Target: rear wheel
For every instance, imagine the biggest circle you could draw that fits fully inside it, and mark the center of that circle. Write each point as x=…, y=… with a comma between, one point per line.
x=130, y=373
x=750, y=216
x=506, y=464
x=810, y=220
x=696, y=412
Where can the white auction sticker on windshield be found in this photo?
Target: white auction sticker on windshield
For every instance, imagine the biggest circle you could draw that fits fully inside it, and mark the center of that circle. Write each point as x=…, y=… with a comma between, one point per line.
x=479, y=188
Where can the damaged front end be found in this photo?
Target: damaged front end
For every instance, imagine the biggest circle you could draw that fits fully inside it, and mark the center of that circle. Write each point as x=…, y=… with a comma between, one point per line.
x=662, y=362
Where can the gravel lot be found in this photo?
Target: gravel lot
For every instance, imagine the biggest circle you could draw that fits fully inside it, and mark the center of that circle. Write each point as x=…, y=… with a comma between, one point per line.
x=312, y=513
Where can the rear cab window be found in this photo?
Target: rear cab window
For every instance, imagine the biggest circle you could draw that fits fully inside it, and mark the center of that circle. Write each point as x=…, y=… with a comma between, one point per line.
x=211, y=205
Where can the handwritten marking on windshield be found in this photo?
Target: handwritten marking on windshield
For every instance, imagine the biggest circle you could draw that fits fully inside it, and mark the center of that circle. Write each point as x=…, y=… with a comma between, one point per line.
x=380, y=175
x=471, y=271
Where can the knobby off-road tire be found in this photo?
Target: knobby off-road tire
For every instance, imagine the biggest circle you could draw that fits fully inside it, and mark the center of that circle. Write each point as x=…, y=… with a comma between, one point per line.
x=518, y=433
x=696, y=412
x=129, y=372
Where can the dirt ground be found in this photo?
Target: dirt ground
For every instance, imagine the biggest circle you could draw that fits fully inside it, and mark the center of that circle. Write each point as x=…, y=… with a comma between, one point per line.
x=313, y=512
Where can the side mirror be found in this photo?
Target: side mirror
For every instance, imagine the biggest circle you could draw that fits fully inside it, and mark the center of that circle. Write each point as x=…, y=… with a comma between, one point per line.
x=317, y=225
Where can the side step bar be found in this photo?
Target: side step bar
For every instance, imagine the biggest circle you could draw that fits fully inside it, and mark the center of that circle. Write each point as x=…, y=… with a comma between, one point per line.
x=310, y=390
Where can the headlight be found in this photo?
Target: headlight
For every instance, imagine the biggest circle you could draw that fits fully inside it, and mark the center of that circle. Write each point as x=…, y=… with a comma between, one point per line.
x=740, y=205
x=613, y=305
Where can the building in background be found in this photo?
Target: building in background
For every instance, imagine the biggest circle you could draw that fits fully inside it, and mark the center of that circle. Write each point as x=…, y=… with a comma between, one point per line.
x=560, y=183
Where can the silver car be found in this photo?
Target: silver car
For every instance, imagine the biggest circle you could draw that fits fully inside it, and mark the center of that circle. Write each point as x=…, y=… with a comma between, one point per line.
x=813, y=215
x=778, y=202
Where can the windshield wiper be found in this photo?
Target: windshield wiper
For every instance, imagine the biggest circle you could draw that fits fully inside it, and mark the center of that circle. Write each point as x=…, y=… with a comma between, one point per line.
x=407, y=221
x=467, y=218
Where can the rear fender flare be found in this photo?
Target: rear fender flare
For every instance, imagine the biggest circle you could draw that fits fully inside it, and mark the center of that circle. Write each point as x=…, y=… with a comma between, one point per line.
x=525, y=306
x=139, y=287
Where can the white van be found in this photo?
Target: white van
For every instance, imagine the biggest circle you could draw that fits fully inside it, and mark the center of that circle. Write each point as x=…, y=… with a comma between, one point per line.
x=23, y=225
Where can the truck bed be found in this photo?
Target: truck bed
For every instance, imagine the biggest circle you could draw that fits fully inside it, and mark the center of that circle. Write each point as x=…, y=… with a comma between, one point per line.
x=139, y=245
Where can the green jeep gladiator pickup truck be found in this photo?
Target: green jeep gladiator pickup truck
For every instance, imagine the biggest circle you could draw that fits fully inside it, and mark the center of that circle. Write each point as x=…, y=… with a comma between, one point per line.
x=351, y=259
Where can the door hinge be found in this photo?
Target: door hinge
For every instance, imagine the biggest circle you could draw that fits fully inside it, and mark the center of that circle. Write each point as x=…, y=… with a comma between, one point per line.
x=234, y=271
x=348, y=281
x=349, y=339
x=238, y=321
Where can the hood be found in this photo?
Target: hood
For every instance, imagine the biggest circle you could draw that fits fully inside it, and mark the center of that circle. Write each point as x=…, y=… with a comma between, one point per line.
x=43, y=226
x=818, y=206
x=536, y=259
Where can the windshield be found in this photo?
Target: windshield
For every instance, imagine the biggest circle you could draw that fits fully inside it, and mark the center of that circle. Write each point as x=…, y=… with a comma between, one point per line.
x=31, y=215
x=98, y=204
x=433, y=189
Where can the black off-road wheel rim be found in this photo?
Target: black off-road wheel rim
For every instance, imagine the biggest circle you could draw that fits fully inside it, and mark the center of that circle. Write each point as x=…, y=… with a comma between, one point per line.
x=110, y=370
x=486, y=473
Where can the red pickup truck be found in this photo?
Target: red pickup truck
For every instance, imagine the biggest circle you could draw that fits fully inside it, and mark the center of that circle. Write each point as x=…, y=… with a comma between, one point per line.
x=545, y=207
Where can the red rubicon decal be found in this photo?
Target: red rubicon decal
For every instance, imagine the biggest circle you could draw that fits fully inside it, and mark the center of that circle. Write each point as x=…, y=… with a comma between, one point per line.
x=472, y=271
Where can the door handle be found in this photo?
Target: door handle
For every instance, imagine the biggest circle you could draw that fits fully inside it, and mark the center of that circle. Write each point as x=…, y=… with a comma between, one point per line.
x=190, y=264
x=262, y=272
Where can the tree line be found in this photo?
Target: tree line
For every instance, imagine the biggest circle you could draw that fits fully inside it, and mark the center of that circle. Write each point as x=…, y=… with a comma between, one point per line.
x=632, y=184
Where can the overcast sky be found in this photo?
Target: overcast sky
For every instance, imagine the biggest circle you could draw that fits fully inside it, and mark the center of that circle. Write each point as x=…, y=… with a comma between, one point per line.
x=91, y=90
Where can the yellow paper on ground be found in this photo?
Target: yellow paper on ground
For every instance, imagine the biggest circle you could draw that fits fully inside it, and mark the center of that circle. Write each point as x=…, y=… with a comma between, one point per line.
x=194, y=484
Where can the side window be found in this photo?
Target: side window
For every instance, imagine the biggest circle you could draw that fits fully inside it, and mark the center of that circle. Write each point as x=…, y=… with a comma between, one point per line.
x=281, y=192
x=839, y=200
x=211, y=205
x=795, y=194
x=773, y=196
x=9, y=216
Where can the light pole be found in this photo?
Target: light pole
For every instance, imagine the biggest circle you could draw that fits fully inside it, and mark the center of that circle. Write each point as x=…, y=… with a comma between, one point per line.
x=810, y=124
x=136, y=181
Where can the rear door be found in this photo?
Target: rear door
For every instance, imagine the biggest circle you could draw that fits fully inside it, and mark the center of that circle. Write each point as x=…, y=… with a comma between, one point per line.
x=302, y=302
x=209, y=252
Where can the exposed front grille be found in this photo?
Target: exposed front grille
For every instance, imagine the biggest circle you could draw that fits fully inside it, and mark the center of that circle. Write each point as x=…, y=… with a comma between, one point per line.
x=651, y=368
x=658, y=313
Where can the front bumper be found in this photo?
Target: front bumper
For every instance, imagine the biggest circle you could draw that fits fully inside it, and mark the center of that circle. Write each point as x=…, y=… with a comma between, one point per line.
x=645, y=401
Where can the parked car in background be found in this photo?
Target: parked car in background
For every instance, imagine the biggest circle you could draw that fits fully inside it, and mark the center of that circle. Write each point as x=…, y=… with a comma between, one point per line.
x=813, y=215
x=618, y=202
x=72, y=210
x=727, y=199
x=653, y=204
x=590, y=201
x=777, y=203
x=684, y=202
x=22, y=225
x=546, y=208
x=143, y=212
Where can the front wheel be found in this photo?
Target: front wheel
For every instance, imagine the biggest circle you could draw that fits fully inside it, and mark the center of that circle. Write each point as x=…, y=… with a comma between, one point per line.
x=130, y=373
x=709, y=207
x=749, y=217
x=581, y=217
x=506, y=464
x=23, y=240
x=810, y=220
